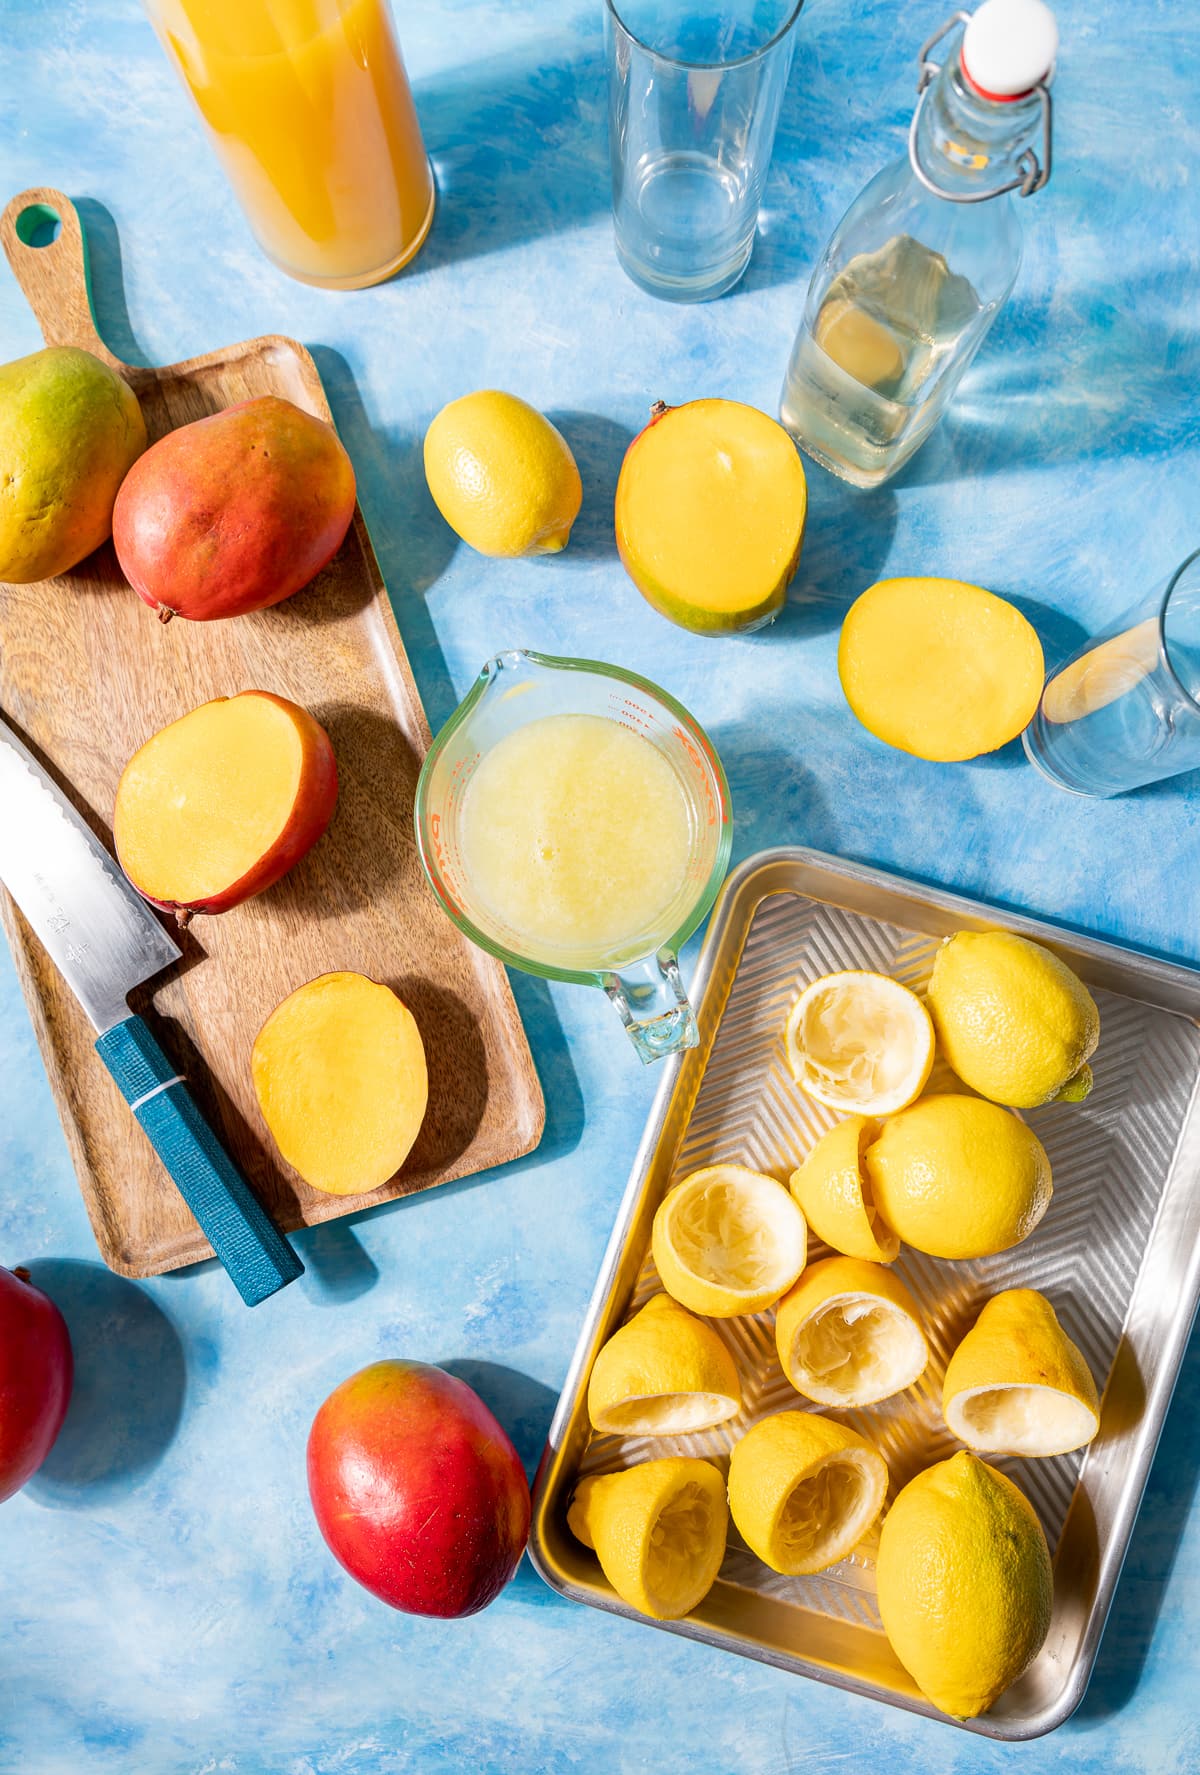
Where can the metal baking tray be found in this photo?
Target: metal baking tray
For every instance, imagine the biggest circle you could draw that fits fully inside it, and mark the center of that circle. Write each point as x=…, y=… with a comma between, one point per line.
x=1118, y=1253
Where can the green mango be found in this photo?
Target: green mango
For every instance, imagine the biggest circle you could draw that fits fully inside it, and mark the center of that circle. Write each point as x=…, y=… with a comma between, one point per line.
x=70, y=430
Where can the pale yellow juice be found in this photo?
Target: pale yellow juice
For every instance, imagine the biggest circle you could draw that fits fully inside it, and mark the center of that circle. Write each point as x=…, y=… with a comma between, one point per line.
x=575, y=837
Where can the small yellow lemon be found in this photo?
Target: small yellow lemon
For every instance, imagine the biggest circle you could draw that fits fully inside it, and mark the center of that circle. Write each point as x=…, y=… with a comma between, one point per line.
x=658, y=1530
x=834, y=1191
x=959, y=1177
x=803, y=1490
x=501, y=475
x=1017, y=1384
x=860, y=1041
x=663, y=1374
x=1013, y=1020
x=848, y=1333
x=727, y=1240
x=964, y=1583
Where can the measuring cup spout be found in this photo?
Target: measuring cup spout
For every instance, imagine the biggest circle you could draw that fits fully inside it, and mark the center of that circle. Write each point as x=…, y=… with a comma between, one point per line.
x=653, y=1006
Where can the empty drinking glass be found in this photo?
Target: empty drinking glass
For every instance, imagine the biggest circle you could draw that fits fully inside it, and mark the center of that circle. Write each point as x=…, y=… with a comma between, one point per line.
x=1126, y=710
x=694, y=91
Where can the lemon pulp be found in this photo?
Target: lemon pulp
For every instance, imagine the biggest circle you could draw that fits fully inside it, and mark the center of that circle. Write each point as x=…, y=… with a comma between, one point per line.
x=804, y=1490
x=663, y=1374
x=836, y=1492
x=851, y=1344
x=860, y=1041
x=679, y=1546
x=1024, y=1420
x=728, y=1240
x=848, y=1333
x=575, y=837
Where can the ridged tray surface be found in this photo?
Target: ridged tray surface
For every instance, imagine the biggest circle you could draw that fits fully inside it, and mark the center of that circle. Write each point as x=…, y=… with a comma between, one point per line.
x=1115, y=1160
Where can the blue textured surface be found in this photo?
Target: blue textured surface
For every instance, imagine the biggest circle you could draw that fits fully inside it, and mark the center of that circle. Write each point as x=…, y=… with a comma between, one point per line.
x=168, y=1605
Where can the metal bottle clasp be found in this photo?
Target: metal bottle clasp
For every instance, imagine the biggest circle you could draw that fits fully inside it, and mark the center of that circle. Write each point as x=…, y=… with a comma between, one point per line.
x=1032, y=174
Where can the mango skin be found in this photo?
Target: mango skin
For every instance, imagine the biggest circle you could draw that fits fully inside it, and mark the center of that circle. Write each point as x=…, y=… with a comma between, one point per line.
x=235, y=512
x=417, y=1489
x=70, y=430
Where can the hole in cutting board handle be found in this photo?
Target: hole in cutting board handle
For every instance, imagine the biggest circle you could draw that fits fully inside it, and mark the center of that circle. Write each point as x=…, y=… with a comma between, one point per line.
x=38, y=225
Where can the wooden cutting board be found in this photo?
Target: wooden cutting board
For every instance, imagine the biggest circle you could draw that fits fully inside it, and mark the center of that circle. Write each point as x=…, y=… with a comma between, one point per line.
x=87, y=673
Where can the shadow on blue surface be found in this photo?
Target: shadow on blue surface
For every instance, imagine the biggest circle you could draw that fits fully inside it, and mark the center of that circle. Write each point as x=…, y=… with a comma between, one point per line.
x=1169, y=1497
x=518, y=150
x=848, y=537
x=341, y=1269
x=412, y=541
x=524, y=1407
x=598, y=445
x=129, y=1387
x=1122, y=383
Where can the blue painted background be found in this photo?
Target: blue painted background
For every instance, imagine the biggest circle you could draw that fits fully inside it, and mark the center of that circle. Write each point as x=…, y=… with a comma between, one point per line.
x=165, y=1602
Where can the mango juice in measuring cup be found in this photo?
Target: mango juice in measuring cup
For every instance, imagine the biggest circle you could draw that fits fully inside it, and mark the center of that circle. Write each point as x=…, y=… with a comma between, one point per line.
x=311, y=115
x=574, y=820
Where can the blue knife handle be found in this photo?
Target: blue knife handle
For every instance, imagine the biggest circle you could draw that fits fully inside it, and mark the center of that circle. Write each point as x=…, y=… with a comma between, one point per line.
x=252, y=1249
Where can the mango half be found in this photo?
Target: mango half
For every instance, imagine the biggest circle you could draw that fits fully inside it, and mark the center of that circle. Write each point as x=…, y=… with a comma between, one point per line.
x=939, y=668
x=710, y=511
x=70, y=430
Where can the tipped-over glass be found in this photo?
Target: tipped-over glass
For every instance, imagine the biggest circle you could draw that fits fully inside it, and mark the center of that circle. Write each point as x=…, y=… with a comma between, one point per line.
x=1125, y=711
x=574, y=820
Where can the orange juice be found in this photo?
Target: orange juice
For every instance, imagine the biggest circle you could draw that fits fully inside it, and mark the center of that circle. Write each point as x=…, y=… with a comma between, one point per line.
x=312, y=116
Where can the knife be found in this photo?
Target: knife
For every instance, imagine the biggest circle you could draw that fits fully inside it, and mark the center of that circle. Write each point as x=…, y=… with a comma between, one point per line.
x=104, y=940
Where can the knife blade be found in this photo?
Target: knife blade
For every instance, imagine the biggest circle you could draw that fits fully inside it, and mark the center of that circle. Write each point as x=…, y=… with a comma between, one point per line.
x=104, y=940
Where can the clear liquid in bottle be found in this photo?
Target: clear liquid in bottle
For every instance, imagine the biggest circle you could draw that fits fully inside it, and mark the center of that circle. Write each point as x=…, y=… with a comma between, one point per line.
x=864, y=385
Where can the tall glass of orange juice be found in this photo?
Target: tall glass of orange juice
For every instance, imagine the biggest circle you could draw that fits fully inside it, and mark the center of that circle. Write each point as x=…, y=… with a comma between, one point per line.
x=312, y=117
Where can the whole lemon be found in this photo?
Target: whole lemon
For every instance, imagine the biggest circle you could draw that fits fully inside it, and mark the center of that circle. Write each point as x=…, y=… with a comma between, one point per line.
x=502, y=476
x=964, y=1583
x=958, y=1176
x=1013, y=1020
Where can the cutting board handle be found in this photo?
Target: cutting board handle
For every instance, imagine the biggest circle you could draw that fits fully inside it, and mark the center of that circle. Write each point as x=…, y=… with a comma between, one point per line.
x=53, y=272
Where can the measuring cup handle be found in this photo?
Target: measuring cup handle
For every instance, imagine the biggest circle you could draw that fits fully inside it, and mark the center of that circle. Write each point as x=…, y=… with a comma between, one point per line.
x=653, y=1006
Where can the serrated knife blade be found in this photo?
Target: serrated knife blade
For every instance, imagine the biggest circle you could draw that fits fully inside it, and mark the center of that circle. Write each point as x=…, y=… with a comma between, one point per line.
x=96, y=928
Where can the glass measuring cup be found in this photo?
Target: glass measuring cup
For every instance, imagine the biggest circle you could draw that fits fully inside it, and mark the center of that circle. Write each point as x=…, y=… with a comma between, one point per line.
x=640, y=972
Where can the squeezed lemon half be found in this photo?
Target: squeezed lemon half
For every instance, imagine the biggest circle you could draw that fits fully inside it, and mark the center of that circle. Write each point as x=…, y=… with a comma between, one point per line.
x=803, y=1491
x=728, y=1240
x=833, y=1188
x=658, y=1530
x=860, y=1042
x=849, y=1334
x=664, y=1374
x=1017, y=1384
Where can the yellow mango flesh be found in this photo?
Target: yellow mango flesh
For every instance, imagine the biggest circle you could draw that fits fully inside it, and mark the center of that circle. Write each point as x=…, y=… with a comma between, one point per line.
x=339, y=1071
x=939, y=668
x=70, y=430
x=205, y=799
x=710, y=512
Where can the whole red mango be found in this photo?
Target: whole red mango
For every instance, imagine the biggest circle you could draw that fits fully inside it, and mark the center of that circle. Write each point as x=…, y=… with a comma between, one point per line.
x=417, y=1490
x=233, y=513
x=36, y=1371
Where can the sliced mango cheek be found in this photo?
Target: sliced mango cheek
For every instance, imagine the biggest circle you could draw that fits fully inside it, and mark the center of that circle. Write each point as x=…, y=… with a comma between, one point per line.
x=939, y=668
x=339, y=1071
x=710, y=514
x=206, y=798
